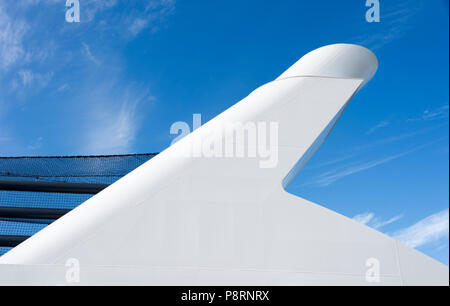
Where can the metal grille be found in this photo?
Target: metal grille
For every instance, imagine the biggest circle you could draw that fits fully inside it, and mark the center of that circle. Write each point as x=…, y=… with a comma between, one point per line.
x=35, y=191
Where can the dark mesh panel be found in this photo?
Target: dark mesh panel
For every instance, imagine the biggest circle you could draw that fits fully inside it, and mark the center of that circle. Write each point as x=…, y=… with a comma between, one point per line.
x=3, y=250
x=77, y=169
x=41, y=200
x=19, y=228
x=73, y=169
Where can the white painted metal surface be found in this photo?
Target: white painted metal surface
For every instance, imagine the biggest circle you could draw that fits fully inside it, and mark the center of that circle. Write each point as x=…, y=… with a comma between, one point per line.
x=183, y=219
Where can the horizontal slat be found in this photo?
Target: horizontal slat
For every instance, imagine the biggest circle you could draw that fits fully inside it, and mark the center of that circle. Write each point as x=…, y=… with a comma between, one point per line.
x=28, y=221
x=11, y=241
x=52, y=187
x=32, y=213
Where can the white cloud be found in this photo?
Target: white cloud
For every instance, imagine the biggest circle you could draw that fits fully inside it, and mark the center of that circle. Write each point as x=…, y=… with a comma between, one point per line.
x=12, y=32
x=378, y=126
x=364, y=218
x=138, y=25
x=332, y=176
x=26, y=76
x=434, y=114
x=396, y=21
x=47, y=56
x=331, y=162
x=369, y=219
x=115, y=121
x=115, y=132
x=430, y=229
x=63, y=87
x=30, y=78
x=91, y=8
x=40, y=54
x=155, y=11
x=87, y=52
x=27, y=81
x=36, y=144
x=392, y=139
x=25, y=3
x=377, y=224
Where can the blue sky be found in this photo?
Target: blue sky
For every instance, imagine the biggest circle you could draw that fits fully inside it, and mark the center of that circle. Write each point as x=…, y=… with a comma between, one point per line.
x=117, y=81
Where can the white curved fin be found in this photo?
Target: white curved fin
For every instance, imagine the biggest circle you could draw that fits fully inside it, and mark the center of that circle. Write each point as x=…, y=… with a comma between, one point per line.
x=187, y=218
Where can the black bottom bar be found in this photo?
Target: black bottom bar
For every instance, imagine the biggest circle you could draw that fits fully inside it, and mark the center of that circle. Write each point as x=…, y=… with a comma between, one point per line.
x=11, y=241
x=32, y=213
x=28, y=221
x=56, y=187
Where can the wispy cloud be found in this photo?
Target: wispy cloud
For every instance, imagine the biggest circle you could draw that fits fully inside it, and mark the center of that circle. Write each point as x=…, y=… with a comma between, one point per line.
x=332, y=176
x=27, y=82
x=380, y=125
x=63, y=87
x=154, y=12
x=431, y=229
x=115, y=121
x=396, y=21
x=115, y=132
x=428, y=230
x=332, y=161
x=138, y=25
x=379, y=224
x=12, y=32
x=428, y=115
x=433, y=114
x=93, y=7
x=87, y=52
x=369, y=219
x=26, y=3
x=364, y=218
x=39, y=54
x=106, y=102
x=36, y=144
x=29, y=78
x=396, y=138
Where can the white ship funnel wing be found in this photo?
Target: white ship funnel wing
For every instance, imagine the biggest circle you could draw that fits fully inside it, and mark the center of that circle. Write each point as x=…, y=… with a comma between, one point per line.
x=211, y=209
x=336, y=61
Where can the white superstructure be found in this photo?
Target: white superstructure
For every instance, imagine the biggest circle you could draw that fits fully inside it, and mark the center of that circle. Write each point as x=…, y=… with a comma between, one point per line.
x=189, y=218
